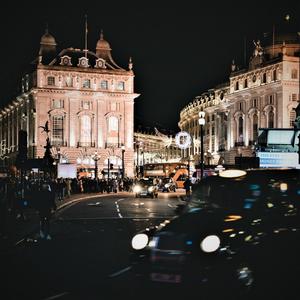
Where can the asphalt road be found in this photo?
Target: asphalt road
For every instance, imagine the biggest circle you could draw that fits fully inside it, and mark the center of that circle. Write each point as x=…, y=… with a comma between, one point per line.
x=89, y=255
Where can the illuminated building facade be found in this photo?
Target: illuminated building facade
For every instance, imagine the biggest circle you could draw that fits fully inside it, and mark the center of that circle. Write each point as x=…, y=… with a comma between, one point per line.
x=264, y=95
x=87, y=100
x=155, y=147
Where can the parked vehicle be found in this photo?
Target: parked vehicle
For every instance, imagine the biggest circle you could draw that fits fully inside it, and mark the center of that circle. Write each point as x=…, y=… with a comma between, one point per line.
x=238, y=236
x=167, y=185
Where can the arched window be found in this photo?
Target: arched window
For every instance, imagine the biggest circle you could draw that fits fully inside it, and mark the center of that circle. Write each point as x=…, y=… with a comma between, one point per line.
x=240, y=129
x=113, y=124
x=236, y=85
x=271, y=119
x=294, y=73
x=255, y=127
x=57, y=130
x=113, y=130
x=85, y=131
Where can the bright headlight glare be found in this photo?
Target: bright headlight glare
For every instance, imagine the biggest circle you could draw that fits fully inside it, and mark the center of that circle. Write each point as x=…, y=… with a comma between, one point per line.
x=210, y=244
x=153, y=242
x=150, y=189
x=137, y=189
x=139, y=241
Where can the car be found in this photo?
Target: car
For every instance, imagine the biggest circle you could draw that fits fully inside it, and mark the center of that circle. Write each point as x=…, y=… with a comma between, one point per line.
x=145, y=188
x=238, y=237
x=167, y=185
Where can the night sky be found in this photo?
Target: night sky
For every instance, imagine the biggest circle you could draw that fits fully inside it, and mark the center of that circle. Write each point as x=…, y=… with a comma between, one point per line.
x=178, y=50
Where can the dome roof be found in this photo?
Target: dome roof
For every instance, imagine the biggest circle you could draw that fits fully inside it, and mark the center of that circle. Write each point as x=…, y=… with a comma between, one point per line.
x=102, y=44
x=48, y=39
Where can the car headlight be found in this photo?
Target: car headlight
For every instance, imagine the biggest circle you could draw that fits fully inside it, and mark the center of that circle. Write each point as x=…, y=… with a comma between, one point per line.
x=153, y=242
x=167, y=185
x=139, y=241
x=210, y=244
x=150, y=189
x=137, y=188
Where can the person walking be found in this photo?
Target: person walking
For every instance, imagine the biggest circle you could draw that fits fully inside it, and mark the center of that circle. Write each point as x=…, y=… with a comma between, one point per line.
x=187, y=186
x=45, y=202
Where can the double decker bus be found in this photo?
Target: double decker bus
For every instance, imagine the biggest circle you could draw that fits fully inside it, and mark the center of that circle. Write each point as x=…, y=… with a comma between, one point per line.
x=177, y=171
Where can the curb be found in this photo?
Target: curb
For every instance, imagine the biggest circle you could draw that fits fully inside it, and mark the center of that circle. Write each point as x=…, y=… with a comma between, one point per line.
x=60, y=207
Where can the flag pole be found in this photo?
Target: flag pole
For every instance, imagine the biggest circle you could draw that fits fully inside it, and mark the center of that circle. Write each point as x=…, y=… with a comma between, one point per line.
x=273, y=46
x=86, y=32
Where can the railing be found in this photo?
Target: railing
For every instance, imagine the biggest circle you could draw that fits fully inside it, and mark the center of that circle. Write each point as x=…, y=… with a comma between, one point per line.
x=59, y=144
x=239, y=144
x=85, y=144
x=113, y=145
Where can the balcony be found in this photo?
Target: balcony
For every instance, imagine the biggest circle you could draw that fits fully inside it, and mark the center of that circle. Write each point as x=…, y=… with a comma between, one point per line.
x=113, y=145
x=239, y=144
x=59, y=144
x=86, y=144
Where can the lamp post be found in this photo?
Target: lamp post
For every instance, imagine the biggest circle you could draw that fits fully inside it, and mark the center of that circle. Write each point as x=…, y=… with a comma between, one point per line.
x=201, y=123
x=123, y=164
x=96, y=157
x=58, y=154
x=137, y=159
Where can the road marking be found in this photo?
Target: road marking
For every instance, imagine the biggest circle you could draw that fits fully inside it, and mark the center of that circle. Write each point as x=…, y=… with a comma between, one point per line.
x=172, y=206
x=57, y=296
x=94, y=204
x=138, y=204
x=117, y=206
x=120, y=272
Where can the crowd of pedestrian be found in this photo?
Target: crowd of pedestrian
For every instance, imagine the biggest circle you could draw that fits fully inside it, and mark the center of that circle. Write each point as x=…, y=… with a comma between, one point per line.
x=42, y=195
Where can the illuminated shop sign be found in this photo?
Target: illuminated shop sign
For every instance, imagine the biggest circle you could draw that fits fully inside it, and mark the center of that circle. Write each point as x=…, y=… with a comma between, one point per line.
x=278, y=159
x=183, y=139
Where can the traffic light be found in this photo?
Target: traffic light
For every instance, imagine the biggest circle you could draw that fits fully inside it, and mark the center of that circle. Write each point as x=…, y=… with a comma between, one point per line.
x=111, y=166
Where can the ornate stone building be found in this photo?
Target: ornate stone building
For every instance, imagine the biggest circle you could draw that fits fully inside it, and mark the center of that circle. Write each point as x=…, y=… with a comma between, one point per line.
x=85, y=99
x=263, y=95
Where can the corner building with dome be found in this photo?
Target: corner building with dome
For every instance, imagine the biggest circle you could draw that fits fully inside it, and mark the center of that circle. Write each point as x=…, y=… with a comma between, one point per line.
x=263, y=95
x=84, y=98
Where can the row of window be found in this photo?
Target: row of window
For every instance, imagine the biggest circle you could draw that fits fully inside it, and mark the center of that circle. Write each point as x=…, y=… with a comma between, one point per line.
x=59, y=103
x=237, y=85
x=86, y=83
x=85, y=129
x=255, y=102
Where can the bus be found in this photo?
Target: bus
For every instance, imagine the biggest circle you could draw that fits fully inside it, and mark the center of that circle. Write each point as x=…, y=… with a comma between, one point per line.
x=177, y=171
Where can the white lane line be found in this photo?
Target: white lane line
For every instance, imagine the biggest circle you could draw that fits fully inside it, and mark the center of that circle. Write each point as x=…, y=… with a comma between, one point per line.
x=57, y=296
x=117, y=206
x=172, y=206
x=120, y=272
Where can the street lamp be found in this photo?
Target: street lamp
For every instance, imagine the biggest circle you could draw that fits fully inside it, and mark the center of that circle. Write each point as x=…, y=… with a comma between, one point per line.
x=96, y=157
x=201, y=123
x=123, y=164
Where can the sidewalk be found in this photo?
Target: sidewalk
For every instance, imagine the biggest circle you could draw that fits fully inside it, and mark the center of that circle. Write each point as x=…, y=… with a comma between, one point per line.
x=18, y=229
